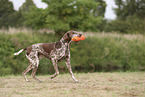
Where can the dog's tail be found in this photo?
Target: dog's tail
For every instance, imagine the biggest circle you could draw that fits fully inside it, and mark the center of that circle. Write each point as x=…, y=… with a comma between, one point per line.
x=17, y=53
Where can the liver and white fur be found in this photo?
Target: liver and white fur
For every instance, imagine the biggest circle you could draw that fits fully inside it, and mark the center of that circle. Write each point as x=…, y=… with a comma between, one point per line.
x=55, y=51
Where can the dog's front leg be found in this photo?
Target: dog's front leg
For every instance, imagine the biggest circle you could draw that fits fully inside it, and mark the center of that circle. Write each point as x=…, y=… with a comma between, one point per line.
x=55, y=68
x=68, y=64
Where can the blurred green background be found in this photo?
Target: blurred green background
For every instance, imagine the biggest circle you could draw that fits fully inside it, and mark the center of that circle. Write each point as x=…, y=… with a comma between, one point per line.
x=110, y=45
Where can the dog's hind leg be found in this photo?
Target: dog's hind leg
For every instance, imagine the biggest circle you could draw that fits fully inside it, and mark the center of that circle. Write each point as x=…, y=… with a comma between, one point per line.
x=34, y=72
x=27, y=70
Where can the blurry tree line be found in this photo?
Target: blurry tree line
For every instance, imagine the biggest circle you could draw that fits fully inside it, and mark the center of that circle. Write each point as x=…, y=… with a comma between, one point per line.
x=130, y=17
x=84, y=15
x=107, y=54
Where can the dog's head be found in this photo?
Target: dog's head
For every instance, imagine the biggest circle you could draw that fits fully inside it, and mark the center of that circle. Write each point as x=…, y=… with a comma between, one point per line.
x=70, y=34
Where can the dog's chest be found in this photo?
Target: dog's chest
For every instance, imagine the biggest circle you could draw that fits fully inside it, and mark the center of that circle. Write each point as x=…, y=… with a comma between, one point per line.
x=59, y=53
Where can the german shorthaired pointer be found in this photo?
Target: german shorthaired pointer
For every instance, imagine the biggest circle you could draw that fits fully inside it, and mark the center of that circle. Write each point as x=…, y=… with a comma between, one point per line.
x=56, y=51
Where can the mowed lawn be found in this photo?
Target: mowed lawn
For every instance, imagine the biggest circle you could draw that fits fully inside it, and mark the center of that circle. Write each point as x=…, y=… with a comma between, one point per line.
x=118, y=84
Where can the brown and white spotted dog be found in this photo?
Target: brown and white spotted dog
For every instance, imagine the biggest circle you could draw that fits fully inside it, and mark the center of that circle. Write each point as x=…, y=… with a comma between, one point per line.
x=55, y=51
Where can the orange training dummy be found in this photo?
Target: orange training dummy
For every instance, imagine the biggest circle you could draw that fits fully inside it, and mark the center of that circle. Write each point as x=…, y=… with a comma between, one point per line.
x=76, y=38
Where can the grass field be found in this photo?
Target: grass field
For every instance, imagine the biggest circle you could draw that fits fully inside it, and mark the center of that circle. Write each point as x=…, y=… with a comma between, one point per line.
x=91, y=85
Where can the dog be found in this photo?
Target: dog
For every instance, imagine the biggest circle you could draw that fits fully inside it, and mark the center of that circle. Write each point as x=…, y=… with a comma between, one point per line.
x=56, y=52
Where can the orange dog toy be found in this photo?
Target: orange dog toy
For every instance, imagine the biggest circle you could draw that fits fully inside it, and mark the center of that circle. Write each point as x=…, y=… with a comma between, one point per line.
x=76, y=38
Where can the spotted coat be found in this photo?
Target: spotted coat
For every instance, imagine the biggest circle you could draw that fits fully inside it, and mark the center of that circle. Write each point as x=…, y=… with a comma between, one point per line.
x=56, y=51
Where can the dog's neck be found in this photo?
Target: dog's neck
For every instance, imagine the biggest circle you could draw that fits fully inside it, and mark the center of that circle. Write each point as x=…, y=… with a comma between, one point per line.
x=64, y=42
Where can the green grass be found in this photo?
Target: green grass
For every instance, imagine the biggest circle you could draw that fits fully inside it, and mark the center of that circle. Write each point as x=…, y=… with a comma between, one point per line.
x=91, y=85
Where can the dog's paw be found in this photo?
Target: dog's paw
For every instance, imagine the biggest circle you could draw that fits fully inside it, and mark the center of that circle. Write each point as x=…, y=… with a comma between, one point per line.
x=28, y=81
x=40, y=81
x=51, y=79
x=76, y=81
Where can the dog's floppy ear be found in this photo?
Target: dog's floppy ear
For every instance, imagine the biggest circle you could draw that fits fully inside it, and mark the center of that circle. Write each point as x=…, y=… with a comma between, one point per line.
x=69, y=36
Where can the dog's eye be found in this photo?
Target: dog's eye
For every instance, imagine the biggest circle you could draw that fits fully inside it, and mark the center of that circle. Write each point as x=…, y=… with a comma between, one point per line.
x=80, y=35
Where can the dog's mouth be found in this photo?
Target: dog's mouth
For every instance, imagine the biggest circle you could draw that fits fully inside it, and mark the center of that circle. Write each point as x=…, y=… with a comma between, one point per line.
x=78, y=38
x=78, y=41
